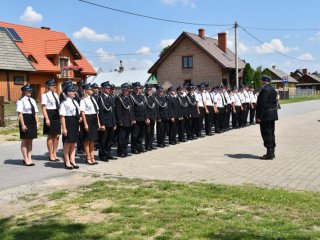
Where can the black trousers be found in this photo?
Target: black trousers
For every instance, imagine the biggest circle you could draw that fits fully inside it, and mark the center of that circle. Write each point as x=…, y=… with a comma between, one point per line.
x=162, y=131
x=173, y=131
x=202, y=116
x=244, y=114
x=267, y=133
x=137, y=136
x=236, y=117
x=149, y=135
x=182, y=129
x=208, y=119
x=227, y=115
x=123, y=140
x=252, y=113
x=105, y=142
x=192, y=126
x=218, y=120
x=80, y=145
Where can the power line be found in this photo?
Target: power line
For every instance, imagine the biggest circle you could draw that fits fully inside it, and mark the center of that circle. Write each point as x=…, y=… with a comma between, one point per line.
x=97, y=54
x=277, y=51
x=282, y=29
x=154, y=18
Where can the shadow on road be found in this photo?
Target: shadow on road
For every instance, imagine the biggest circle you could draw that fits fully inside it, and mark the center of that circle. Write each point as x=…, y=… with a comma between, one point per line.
x=14, y=162
x=243, y=155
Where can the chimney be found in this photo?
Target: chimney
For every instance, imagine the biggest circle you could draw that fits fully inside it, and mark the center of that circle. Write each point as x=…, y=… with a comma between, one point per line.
x=121, y=68
x=222, y=41
x=273, y=66
x=305, y=71
x=201, y=33
x=45, y=28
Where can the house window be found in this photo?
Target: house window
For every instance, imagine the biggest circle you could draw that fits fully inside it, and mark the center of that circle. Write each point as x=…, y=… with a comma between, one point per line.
x=18, y=80
x=64, y=63
x=187, y=81
x=187, y=62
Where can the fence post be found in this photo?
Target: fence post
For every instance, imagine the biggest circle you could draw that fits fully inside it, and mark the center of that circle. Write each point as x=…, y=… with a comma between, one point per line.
x=1, y=111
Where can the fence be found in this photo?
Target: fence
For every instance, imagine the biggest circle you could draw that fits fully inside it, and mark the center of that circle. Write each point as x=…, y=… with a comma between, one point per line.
x=1, y=111
x=299, y=92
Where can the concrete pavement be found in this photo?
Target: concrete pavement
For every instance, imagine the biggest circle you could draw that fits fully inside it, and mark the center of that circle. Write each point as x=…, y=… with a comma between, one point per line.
x=229, y=158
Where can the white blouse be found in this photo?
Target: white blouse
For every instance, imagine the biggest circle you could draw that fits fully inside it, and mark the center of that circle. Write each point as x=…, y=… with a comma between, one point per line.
x=48, y=100
x=86, y=105
x=23, y=105
x=68, y=108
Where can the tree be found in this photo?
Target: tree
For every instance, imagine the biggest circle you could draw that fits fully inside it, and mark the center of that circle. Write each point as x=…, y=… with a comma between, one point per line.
x=164, y=50
x=248, y=74
x=257, y=78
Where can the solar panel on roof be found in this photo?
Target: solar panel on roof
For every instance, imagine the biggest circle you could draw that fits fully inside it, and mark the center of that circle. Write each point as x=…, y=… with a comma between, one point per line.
x=14, y=34
x=2, y=29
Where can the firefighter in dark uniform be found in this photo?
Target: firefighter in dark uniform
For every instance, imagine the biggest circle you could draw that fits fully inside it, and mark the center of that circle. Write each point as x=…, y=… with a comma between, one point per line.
x=152, y=116
x=228, y=110
x=78, y=96
x=266, y=115
x=114, y=96
x=140, y=115
x=174, y=114
x=108, y=124
x=65, y=84
x=96, y=93
x=184, y=110
x=193, y=119
x=125, y=119
x=162, y=122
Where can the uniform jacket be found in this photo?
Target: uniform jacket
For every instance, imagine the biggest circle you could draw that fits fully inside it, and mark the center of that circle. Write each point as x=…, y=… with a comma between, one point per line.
x=107, y=114
x=192, y=105
x=124, y=111
x=163, y=108
x=174, y=107
x=184, y=107
x=139, y=107
x=152, y=109
x=266, y=109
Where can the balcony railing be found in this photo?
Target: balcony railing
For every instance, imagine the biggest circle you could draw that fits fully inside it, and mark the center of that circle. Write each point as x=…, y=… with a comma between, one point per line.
x=69, y=73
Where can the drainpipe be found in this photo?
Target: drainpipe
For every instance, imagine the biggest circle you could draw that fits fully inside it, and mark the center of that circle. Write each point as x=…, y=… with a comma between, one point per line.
x=8, y=86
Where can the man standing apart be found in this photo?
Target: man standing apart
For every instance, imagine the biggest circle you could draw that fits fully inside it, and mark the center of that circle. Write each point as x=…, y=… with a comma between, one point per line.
x=266, y=115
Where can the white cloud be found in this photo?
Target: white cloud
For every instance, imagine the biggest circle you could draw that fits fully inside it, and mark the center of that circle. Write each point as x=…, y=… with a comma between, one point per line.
x=30, y=16
x=316, y=37
x=91, y=35
x=166, y=42
x=275, y=44
x=243, y=48
x=104, y=56
x=187, y=3
x=144, y=50
x=306, y=56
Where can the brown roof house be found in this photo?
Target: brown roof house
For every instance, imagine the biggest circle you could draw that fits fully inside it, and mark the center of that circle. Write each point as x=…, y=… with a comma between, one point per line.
x=306, y=80
x=197, y=58
x=277, y=77
x=14, y=69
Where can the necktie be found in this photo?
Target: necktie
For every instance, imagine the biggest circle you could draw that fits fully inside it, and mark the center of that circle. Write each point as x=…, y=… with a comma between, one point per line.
x=202, y=99
x=77, y=110
x=94, y=105
x=32, y=107
x=56, y=100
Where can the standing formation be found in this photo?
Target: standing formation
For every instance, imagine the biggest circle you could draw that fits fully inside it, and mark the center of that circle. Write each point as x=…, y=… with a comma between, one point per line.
x=144, y=117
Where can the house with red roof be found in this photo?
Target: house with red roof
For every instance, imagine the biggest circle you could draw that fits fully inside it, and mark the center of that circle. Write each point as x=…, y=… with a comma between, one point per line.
x=52, y=54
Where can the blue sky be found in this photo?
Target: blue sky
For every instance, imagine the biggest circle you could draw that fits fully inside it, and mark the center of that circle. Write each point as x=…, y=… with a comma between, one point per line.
x=101, y=34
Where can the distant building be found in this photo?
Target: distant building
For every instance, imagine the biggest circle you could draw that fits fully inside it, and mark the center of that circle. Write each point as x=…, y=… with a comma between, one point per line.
x=197, y=58
x=277, y=76
x=14, y=68
x=52, y=55
x=306, y=80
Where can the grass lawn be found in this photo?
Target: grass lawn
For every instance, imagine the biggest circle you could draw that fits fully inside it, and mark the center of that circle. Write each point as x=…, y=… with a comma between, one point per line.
x=136, y=209
x=299, y=99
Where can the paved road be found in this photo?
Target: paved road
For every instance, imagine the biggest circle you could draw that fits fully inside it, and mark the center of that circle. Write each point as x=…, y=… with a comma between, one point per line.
x=229, y=158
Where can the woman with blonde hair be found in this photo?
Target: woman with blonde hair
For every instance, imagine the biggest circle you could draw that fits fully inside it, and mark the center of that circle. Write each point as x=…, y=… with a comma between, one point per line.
x=28, y=123
x=89, y=113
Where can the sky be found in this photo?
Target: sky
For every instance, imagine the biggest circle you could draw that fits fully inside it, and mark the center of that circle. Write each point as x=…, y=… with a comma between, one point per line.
x=105, y=37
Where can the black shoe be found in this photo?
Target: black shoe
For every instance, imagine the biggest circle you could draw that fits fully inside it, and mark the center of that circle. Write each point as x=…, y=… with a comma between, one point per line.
x=111, y=158
x=53, y=160
x=267, y=157
x=68, y=167
x=28, y=165
x=135, y=152
x=80, y=152
x=148, y=148
x=103, y=159
x=142, y=150
x=74, y=166
x=122, y=155
x=89, y=163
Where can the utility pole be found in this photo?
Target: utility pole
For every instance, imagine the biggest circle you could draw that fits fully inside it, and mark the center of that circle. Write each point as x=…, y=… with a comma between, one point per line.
x=236, y=52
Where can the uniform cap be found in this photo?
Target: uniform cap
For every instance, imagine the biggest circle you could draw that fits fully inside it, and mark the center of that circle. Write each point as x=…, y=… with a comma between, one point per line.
x=125, y=86
x=26, y=88
x=51, y=82
x=106, y=84
x=94, y=85
x=88, y=86
x=265, y=78
x=69, y=89
x=136, y=85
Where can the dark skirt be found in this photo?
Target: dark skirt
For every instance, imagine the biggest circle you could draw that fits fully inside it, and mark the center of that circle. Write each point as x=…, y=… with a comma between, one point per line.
x=72, y=125
x=92, y=134
x=31, y=124
x=55, y=125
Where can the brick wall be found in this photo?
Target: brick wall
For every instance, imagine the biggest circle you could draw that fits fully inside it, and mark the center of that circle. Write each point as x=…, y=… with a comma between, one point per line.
x=170, y=72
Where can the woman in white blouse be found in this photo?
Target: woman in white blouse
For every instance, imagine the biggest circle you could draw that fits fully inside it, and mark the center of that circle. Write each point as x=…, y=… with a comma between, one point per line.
x=89, y=113
x=28, y=123
x=70, y=119
x=51, y=121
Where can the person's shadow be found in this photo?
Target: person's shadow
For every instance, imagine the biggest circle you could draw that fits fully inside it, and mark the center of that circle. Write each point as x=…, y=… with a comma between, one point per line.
x=243, y=156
